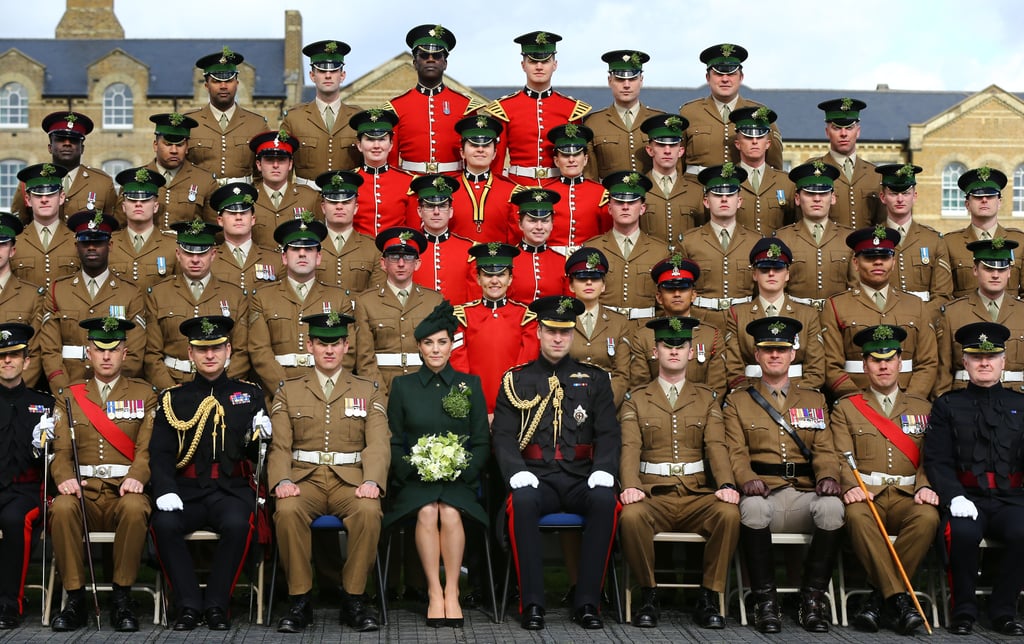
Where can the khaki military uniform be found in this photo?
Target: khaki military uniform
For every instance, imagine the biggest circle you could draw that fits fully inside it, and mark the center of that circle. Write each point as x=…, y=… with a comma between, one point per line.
x=808, y=368
x=607, y=347
x=184, y=197
x=23, y=302
x=818, y=270
x=878, y=459
x=684, y=500
x=724, y=275
x=38, y=266
x=629, y=288
x=922, y=265
x=355, y=268
x=669, y=216
x=351, y=423
x=385, y=344
x=90, y=186
x=130, y=405
x=147, y=266
x=961, y=260
x=771, y=207
x=278, y=338
x=170, y=303
x=294, y=199
x=857, y=204
x=848, y=313
x=226, y=153
x=62, y=342
x=262, y=265
x=710, y=141
x=616, y=147
x=706, y=368
x=967, y=310
x=321, y=150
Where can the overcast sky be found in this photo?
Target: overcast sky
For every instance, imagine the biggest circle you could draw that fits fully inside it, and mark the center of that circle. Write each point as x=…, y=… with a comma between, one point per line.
x=908, y=44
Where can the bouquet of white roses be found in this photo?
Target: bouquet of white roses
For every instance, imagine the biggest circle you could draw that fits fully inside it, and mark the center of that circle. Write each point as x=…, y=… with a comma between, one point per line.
x=439, y=457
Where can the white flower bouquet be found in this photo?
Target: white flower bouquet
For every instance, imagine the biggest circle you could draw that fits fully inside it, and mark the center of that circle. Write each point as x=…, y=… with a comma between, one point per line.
x=439, y=457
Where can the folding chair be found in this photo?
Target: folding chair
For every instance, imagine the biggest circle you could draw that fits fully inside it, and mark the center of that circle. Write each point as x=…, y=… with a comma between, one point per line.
x=671, y=537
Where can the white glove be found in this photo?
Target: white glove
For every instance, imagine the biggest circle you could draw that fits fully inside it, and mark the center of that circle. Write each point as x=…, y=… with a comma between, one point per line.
x=600, y=478
x=169, y=502
x=45, y=424
x=261, y=423
x=963, y=507
x=523, y=479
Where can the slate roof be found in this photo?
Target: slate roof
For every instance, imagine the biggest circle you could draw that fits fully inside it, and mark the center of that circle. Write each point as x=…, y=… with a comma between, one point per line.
x=170, y=61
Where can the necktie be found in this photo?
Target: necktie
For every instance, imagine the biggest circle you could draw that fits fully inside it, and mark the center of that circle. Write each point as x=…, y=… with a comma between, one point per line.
x=725, y=113
x=627, y=118
x=139, y=241
x=724, y=237
x=848, y=168
x=92, y=288
x=755, y=179
x=275, y=198
x=168, y=176
x=588, y=323
x=197, y=289
x=339, y=242
x=329, y=117
x=673, y=394
x=770, y=310
x=666, y=185
x=239, y=257
x=986, y=235
x=886, y=405
x=880, y=300
x=301, y=290
x=223, y=122
x=104, y=392
x=403, y=296
x=993, y=310
x=627, y=247
x=65, y=182
x=328, y=387
x=44, y=237
x=817, y=232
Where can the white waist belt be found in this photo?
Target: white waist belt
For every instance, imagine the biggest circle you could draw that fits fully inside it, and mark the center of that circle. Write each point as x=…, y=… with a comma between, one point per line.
x=881, y=478
x=810, y=301
x=103, y=471
x=178, y=365
x=307, y=182
x=754, y=371
x=857, y=366
x=694, y=169
x=535, y=172
x=73, y=352
x=226, y=180
x=432, y=167
x=399, y=360
x=327, y=458
x=295, y=360
x=634, y=313
x=564, y=250
x=1007, y=376
x=671, y=469
x=719, y=303
x=924, y=295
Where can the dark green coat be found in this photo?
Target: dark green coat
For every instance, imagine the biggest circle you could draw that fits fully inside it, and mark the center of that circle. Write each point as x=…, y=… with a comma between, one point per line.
x=414, y=410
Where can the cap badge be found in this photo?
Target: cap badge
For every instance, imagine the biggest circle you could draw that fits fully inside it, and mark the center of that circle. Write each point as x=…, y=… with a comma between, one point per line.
x=998, y=242
x=728, y=50
x=846, y=104
x=572, y=130
x=176, y=119
x=632, y=179
x=110, y=323
x=593, y=260
x=541, y=38
x=333, y=319
x=538, y=195
x=674, y=123
x=441, y=186
x=819, y=167
x=225, y=55
x=481, y=121
x=882, y=333
x=95, y=222
x=142, y=175
x=5, y=335
x=728, y=169
x=331, y=47
x=206, y=327
x=437, y=32
x=879, y=234
x=564, y=304
x=71, y=118
x=675, y=324
x=776, y=328
x=197, y=225
x=492, y=248
x=984, y=172
x=774, y=251
x=906, y=172
x=48, y=170
x=404, y=237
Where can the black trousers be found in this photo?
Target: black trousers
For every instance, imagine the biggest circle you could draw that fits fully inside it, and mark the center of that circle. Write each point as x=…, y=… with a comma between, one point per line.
x=560, y=491
x=997, y=520
x=230, y=515
x=20, y=510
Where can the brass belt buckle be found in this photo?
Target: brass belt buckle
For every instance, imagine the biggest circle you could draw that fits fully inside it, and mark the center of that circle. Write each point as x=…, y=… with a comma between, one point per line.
x=890, y=480
x=326, y=458
x=302, y=360
x=403, y=359
x=101, y=471
x=724, y=303
x=540, y=173
x=676, y=469
x=431, y=167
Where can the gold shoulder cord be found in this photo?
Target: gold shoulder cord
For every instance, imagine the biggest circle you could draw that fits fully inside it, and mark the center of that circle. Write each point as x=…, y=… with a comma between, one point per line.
x=208, y=405
x=527, y=429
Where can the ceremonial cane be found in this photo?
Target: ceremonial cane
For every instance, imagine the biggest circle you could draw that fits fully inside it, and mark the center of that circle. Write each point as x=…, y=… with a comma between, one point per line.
x=259, y=502
x=885, y=537
x=46, y=510
x=81, y=505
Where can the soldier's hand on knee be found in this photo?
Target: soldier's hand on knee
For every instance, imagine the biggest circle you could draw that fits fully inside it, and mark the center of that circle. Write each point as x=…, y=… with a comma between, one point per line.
x=963, y=508
x=600, y=478
x=631, y=495
x=854, y=495
x=169, y=502
x=523, y=479
x=368, y=490
x=926, y=496
x=827, y=486
x=70, y=486
x=286, y=489
x=131, y=486
x=728, y=494
x=755, y=487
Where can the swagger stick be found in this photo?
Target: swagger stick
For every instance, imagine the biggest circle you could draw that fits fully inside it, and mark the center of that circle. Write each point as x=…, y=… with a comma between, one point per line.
x=81, y=505
x=885, y=537
x=46, y=510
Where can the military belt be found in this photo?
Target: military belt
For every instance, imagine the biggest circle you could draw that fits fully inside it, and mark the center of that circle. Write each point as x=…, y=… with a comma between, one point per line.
x=73, y=352
x=103, y=471
x=694, y=169
x=786, y=469
x=399, y=360
x=754, y=371
x=28, y=476
x=671, y=469
x=810, y=301
x=1007, y=376
x=969, y=479
x=431, y=167
x=857, y=366
x=881, y=478
x=634, y=313
x=189, y=471
x=327, y=458
x=178, y=365
x=533, y=452
x=226, y=180
x=924, y=295
x=564, y=250
x=295, y=360
x=539, y=172
x=719, y=303
x=307, y=182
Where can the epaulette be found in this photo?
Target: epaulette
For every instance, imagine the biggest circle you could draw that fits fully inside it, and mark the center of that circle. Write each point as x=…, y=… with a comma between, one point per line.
x=850, y=395
x=700, y=385
x=495, y=109
x=517, y=367
x=198, y=109
x=579, y=110
x=528, y=316
x=474, y=105
x=696, y=100
x=391, y=108
x=459, y=311
x=604, y=198
x=803, y=387
x=367, y=380
x=250, y=383
x=519, y=188
x=164, y=391
x=1013, y=230
x=916, y=397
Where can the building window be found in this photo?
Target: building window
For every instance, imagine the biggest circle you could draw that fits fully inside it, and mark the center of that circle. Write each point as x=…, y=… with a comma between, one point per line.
x=9, y=169
x=1018, y=191
x=13, y=105
x=114, y=166
x=117, y=107
x=952, y=196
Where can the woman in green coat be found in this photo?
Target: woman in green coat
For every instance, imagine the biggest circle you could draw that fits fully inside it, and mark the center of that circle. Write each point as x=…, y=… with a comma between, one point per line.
x=437, y=400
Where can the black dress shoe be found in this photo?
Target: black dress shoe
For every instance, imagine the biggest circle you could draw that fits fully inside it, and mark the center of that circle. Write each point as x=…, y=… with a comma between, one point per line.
x=300, y=615
x=74, y=615
x=961, y=626
x=533, y=618
x=9, y=617
x=900, y=614
x=705, y=612
x=1008, y=626
x=357, y=615
x=588, y=617
x=869, y=615
x=217, y=619
x=812, y=614
x=767, y=614
x=647, y=614
x=122, y=611
x=188, y=619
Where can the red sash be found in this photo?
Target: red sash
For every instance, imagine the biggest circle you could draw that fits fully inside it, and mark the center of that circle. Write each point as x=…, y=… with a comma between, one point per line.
x=889, y=429
x=106, y=427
